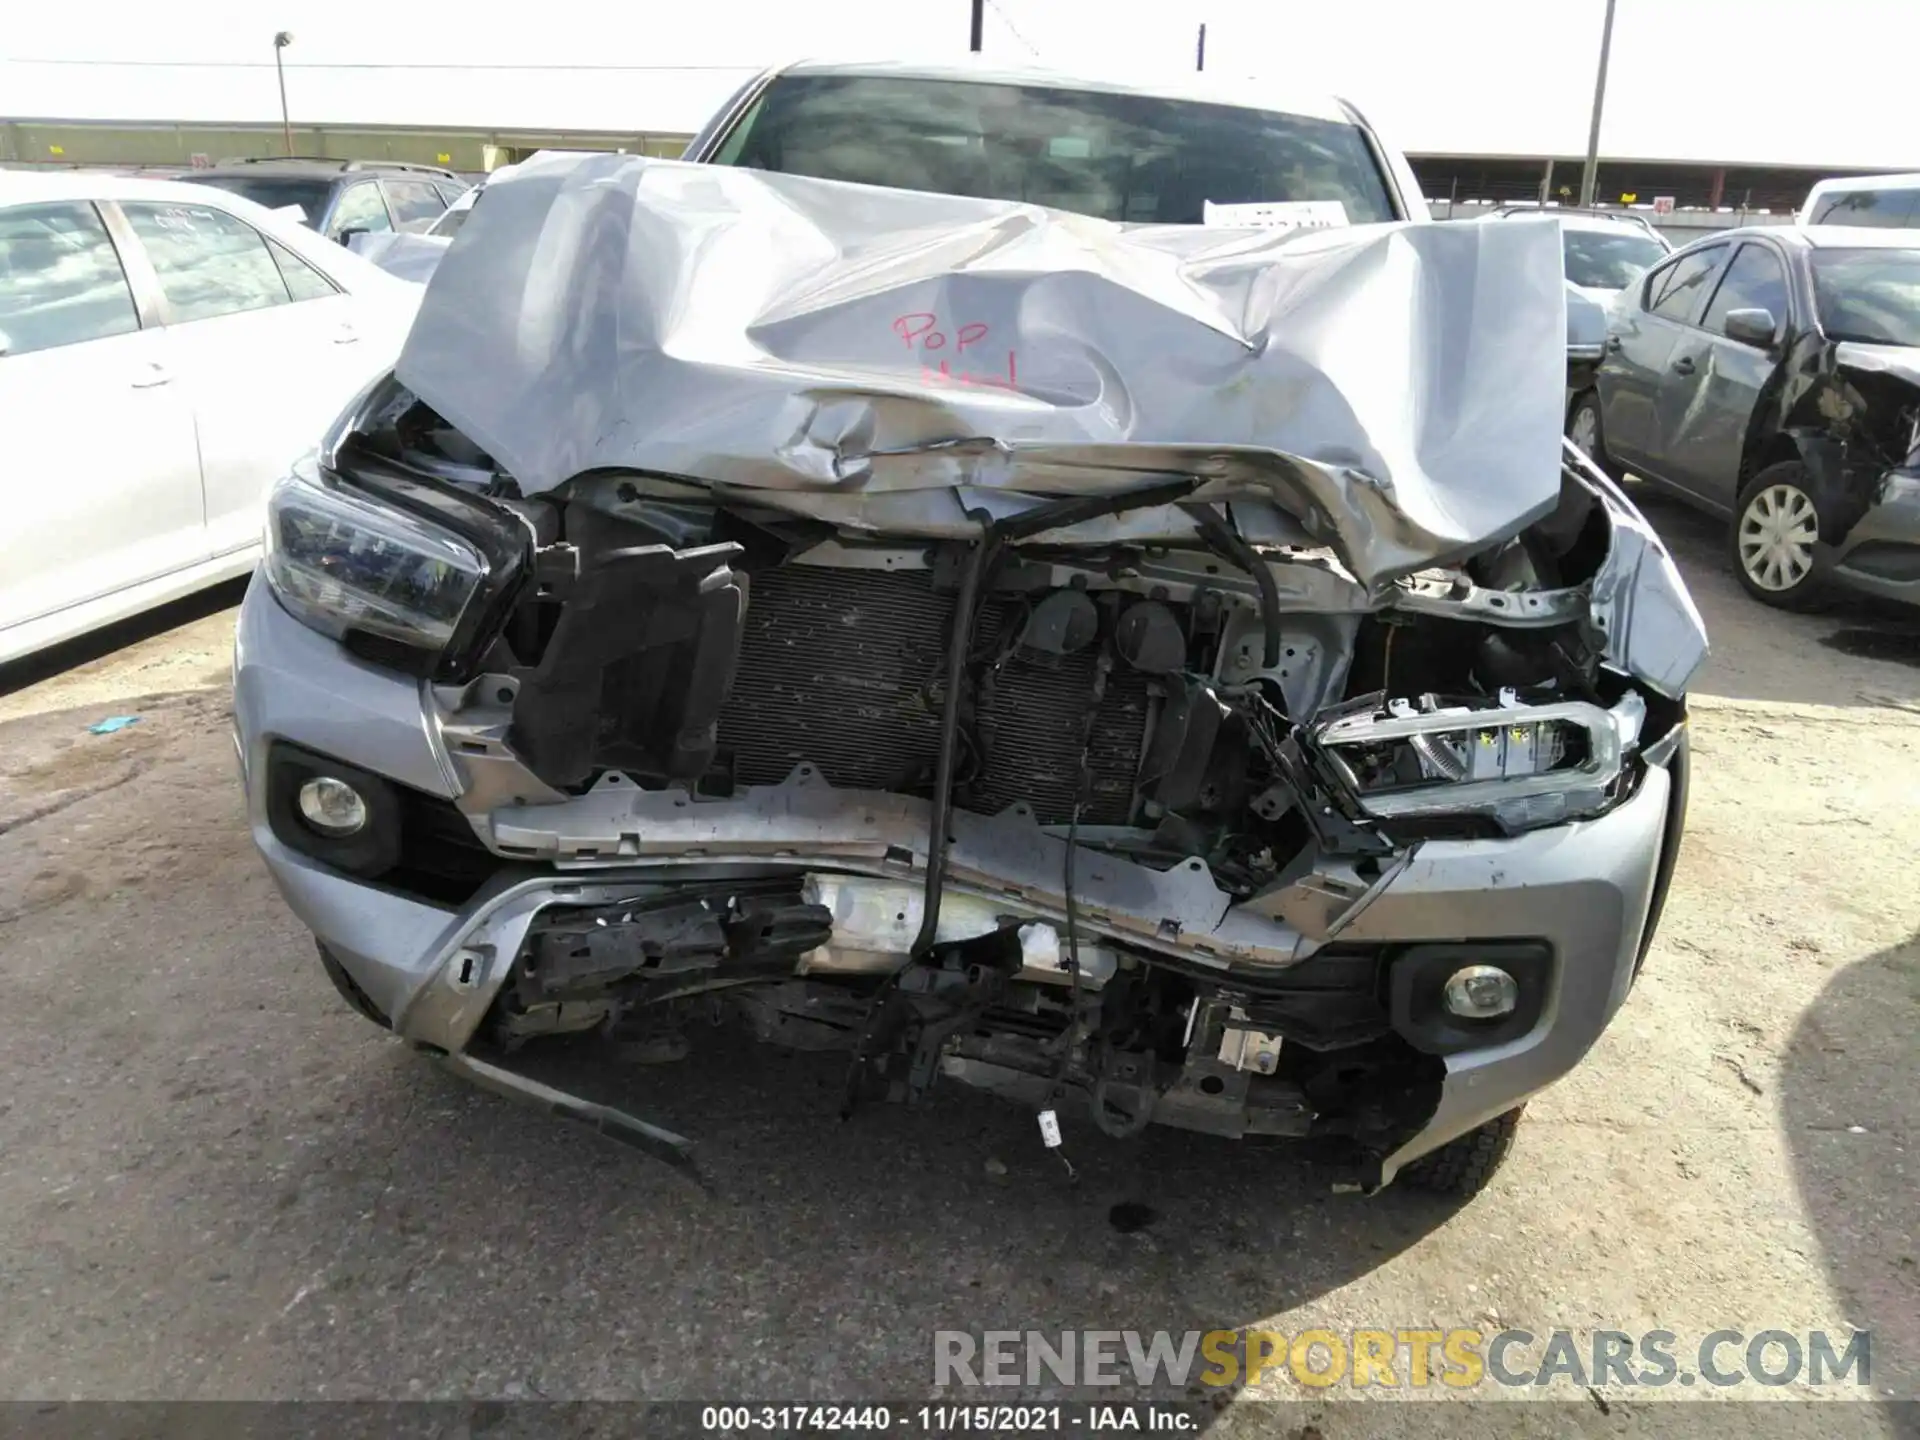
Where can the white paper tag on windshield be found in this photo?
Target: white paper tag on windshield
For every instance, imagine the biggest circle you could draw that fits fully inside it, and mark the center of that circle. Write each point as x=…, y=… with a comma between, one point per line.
x=1277, y=215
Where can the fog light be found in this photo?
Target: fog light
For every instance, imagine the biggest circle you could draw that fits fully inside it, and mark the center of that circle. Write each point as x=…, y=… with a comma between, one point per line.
x=334, y=808
x=1479, y=992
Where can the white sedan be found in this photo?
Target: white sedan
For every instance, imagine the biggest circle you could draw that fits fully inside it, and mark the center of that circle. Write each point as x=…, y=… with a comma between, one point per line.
x=166, y=352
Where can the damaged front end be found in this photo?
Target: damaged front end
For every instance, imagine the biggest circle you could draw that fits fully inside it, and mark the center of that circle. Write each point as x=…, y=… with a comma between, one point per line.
x=1212, y=785
x=1851, y=413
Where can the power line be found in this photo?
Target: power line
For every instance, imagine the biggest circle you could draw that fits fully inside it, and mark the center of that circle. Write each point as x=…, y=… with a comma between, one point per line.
x=1015, y=29
x=376, y=65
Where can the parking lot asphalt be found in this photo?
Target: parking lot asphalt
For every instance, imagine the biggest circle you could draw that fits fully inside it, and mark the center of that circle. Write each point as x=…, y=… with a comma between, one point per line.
x=218, y=1182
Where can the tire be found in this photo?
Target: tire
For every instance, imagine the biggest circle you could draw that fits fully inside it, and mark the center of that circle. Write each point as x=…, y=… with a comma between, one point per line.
x=349, y=990
x=1773, y=540
x=1462, y=1167
x=1584, y=419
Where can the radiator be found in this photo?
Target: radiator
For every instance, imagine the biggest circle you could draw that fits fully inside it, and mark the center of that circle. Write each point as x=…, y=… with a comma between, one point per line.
x=845, y=669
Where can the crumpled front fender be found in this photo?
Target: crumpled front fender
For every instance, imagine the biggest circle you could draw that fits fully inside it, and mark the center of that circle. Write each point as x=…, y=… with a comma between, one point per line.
x=1648, y=625
x=1841, y=493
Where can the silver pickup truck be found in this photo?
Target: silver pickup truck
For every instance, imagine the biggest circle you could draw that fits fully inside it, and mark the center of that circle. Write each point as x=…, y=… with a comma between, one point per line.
x=1028, y=583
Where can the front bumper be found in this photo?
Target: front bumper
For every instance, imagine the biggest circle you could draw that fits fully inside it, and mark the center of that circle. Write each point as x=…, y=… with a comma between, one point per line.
x=1583, y=363
x=1588, y=889
x=1881, y=554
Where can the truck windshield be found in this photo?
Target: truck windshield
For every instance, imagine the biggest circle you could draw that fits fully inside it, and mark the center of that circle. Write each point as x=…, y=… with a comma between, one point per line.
x=1117, y=156
x=1868, y=295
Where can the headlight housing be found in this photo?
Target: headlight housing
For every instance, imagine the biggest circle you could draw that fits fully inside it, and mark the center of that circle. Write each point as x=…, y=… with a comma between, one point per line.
x=1523, y=766
x=400, y=573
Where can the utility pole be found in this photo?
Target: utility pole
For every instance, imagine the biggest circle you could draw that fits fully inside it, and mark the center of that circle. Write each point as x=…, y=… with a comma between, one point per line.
x=282, y=39
x=1590, y=176
x=1200, y=54
x=979, y=25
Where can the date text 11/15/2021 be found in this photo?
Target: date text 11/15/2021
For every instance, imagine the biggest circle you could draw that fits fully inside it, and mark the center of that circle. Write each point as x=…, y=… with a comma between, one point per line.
x=946, y=1419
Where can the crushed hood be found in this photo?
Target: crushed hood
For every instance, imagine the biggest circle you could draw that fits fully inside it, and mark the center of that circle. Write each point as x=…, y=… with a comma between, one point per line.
x=1900, y=361
x=1397, y=387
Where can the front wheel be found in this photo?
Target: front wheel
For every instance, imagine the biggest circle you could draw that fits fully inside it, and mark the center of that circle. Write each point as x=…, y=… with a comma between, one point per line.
x=1584, y=429
x=1775, y=537
x=1462, y=1167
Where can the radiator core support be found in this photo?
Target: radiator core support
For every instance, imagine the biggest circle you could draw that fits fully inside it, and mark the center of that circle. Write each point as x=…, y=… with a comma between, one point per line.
x=843, y=668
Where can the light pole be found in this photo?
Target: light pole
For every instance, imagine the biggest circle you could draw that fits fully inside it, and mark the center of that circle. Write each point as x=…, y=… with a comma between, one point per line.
x=1590, y=176
x=1200, y=50
x=282, y=39
x=976, y=30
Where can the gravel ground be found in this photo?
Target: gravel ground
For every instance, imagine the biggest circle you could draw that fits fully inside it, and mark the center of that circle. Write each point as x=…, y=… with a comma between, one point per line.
x=219, y=1183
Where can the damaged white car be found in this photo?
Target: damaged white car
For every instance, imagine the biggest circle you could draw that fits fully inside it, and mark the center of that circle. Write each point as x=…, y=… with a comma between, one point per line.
x=1154, y=673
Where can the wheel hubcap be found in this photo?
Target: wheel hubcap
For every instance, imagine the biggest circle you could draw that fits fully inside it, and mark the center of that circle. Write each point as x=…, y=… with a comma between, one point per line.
x=1776, y=537
x=1586, y=429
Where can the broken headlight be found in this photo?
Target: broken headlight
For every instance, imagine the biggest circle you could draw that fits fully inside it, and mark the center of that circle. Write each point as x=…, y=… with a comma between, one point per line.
x=1522, y=765
x=391, y=584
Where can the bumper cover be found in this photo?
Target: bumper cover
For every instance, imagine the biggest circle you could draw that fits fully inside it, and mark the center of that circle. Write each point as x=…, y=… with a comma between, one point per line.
x=1881, y=554
x=1586, y=888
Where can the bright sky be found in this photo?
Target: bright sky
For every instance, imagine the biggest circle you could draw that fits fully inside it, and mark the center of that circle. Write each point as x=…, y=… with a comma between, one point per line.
x=1816, y=82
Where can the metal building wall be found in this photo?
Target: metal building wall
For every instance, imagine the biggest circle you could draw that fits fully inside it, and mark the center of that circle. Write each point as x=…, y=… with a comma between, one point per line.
x=55, y=142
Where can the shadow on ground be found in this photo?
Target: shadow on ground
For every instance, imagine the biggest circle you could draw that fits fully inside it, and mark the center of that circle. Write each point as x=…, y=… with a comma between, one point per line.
x=1850, y=1106
x=103, y=643
x=865, y=1235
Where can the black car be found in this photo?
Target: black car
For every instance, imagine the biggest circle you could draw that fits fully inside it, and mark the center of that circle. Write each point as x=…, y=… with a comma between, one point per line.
x=339, y=197
x=1772, y=375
